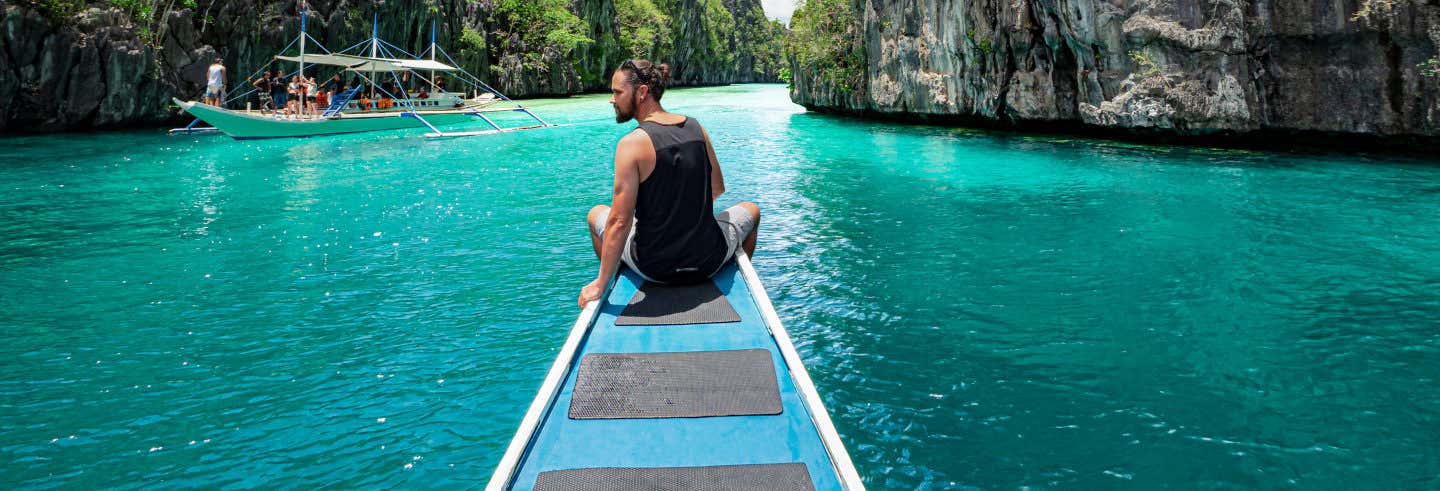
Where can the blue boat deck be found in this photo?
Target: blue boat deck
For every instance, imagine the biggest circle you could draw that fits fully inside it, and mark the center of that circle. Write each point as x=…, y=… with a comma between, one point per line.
x=560, y=443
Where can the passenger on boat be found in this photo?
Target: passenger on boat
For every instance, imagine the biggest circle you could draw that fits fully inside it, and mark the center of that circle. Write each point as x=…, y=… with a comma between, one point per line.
x=660, y=222
x=332, y=87
x=215, y=83
x=307, y=89
x=423, y=93
x=302, y=96
x=262, y=90
x=277, y=90
x=322, y=99
x=292, y=96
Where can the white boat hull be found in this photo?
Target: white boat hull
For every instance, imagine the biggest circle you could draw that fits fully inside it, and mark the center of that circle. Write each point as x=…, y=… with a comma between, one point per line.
x=240, y=125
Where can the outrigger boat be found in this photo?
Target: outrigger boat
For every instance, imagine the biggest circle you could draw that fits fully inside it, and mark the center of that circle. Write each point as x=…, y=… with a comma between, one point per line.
x=678, y=388
x=373, y=108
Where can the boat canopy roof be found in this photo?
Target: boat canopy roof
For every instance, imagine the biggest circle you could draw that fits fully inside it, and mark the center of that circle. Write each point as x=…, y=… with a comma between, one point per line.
x=367, y=64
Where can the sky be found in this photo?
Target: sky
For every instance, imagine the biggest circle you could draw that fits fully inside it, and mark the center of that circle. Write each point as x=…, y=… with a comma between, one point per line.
x=778, y=9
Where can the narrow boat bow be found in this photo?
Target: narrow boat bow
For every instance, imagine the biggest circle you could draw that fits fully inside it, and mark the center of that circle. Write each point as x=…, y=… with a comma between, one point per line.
x=626, y=435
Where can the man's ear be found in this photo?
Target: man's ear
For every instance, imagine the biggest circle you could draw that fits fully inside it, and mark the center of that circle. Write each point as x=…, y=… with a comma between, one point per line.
x=642, y=92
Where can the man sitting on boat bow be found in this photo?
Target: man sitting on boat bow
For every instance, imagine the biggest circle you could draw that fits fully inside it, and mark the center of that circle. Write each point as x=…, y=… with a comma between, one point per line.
x=660, y=222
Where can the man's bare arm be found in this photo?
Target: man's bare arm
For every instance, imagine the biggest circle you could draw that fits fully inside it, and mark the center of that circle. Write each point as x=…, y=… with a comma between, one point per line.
x=622, y=212
x=622, y=204
x=717, y=180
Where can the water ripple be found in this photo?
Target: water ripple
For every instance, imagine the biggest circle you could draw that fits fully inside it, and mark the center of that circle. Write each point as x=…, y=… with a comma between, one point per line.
x=979, y=310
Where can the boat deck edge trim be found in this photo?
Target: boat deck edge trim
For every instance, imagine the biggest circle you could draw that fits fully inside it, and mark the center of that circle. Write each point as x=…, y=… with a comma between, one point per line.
x=849, y=477
x=545, y=398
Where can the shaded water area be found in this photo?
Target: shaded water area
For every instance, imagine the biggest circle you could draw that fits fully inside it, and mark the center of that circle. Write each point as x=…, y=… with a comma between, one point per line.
x=978, y=309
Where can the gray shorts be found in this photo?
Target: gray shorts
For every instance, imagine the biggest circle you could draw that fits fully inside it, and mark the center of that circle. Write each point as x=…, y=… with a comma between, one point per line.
x=735, y=224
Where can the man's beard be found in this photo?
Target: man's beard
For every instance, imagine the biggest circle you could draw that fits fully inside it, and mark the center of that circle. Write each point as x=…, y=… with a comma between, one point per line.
x=622, y=116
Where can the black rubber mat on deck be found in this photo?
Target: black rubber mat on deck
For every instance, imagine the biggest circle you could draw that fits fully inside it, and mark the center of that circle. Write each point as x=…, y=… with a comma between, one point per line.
x=757, y=477
x=675, y=385
x=657, y=304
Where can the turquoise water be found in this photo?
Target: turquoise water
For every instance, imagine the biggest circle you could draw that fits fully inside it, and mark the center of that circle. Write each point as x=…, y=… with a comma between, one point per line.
x=978, y=309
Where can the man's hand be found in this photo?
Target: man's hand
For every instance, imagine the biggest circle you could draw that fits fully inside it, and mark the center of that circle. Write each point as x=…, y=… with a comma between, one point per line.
x=591, y=292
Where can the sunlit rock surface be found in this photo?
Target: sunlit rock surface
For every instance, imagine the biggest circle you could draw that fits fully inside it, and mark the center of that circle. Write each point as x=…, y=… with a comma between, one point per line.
x=1187, y=67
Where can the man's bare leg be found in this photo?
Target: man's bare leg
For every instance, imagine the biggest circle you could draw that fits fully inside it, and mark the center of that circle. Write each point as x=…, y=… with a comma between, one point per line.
x=749, y=243
x=593, y=219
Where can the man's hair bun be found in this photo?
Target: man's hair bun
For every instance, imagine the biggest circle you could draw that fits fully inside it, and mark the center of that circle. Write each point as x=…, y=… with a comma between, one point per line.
x=649, y=74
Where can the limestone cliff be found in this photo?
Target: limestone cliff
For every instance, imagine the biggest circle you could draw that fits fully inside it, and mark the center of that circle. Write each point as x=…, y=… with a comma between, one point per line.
x=1181, y=67
x=69, y=64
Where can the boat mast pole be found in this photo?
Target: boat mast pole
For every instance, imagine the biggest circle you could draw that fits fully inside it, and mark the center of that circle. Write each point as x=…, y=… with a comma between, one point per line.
x=302, y=55
x=432, y=54
x=374, y=48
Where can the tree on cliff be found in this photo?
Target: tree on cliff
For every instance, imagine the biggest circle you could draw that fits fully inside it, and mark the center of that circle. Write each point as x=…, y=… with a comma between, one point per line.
x=537, y=24
x=763, y=37
x=644, y=31
x=824, y=43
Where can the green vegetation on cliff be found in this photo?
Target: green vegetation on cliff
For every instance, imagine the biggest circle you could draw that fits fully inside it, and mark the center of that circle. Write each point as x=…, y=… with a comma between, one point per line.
x=146, y=14
x=470, y=42
x=824, y=41
x=538, y=24
x=576, y=43
x=710, y=26
x=643, y=30
x=56, y=10
x=1431, y=67
x=763, y=37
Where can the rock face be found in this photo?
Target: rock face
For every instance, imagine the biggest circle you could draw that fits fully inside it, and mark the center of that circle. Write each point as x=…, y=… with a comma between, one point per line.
x=96, y=66
x=50, y=77
x=1177, y=67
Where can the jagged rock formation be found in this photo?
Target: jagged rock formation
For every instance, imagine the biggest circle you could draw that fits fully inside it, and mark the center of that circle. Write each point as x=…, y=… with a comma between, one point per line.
x=88, y=65
x=1180, y=67
x=57, y=75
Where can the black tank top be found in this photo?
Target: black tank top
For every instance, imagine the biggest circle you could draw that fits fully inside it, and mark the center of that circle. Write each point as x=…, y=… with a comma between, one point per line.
x=677, y=239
